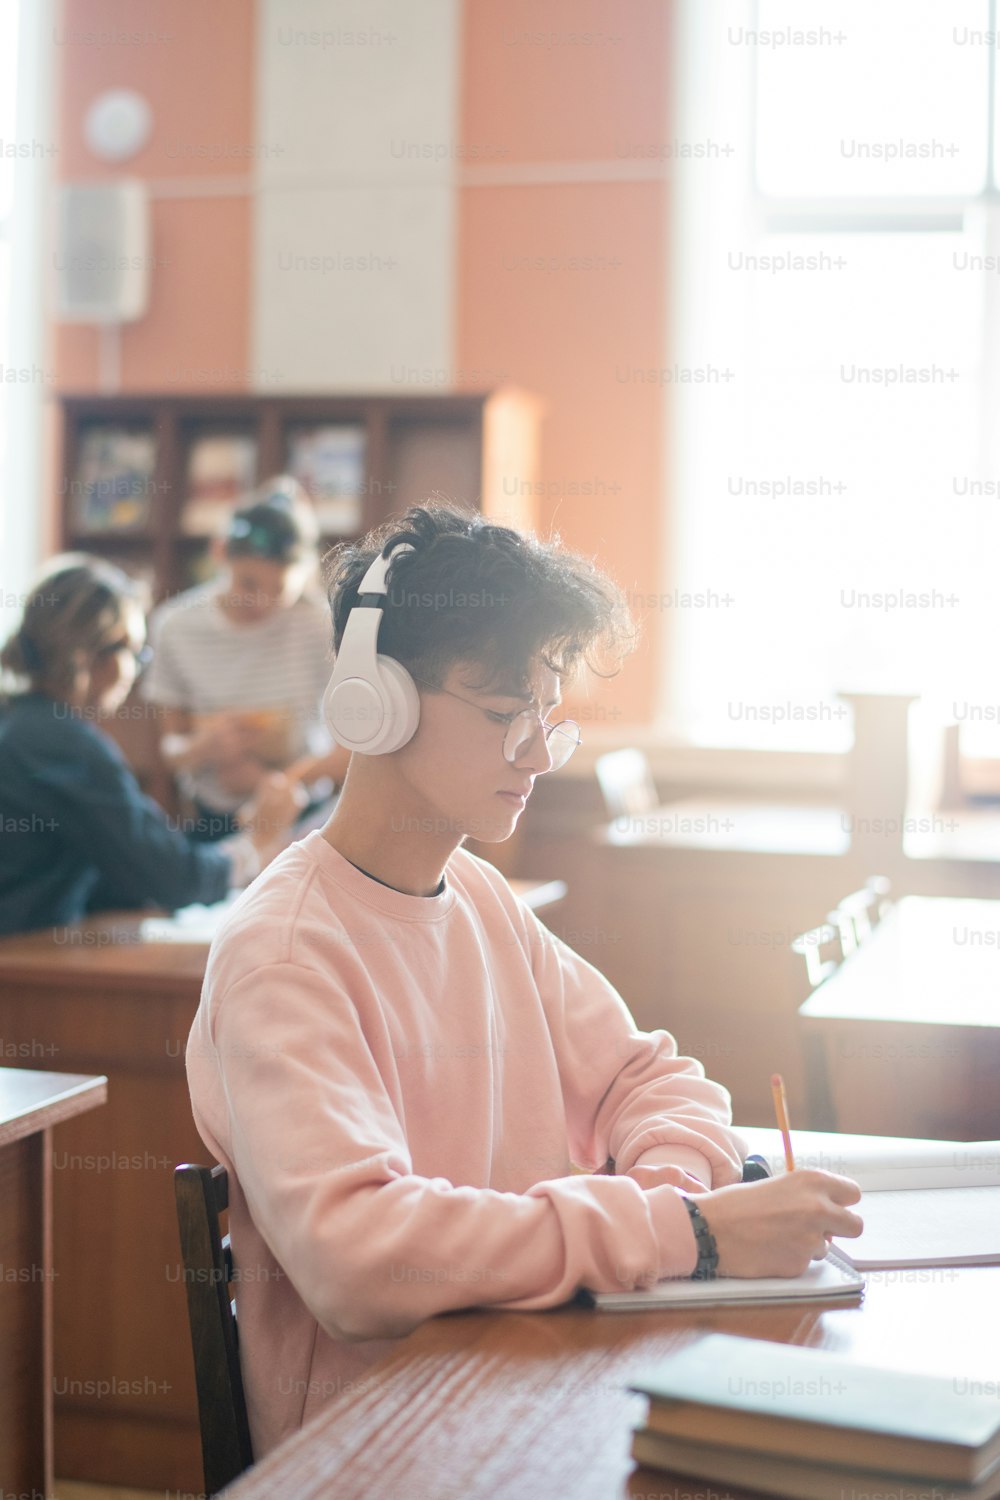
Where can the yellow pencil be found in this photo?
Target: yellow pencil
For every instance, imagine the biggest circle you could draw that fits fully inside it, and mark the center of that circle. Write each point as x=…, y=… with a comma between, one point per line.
x=781, y=1111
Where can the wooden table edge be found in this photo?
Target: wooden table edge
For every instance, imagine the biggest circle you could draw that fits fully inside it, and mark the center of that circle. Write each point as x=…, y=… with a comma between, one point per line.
x=87, y=1093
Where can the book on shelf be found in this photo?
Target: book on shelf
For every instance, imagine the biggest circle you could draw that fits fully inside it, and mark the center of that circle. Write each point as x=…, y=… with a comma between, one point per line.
x=804, y=1422
x=329, y=463
x=114, y=482
x=924, y=1203
x=221, y=472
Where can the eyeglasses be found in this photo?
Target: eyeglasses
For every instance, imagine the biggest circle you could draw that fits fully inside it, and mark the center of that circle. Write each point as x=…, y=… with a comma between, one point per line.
x=143, y=654
x=522, y=727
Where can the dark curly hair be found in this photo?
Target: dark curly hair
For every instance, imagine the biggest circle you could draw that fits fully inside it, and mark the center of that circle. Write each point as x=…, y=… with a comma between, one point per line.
x=478, y=592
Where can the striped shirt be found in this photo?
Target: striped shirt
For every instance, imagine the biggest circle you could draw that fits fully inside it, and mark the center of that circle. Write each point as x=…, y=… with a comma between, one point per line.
x=206, y=663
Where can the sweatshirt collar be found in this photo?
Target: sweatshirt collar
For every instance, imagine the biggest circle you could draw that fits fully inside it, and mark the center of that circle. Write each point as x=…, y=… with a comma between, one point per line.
x=373, y=893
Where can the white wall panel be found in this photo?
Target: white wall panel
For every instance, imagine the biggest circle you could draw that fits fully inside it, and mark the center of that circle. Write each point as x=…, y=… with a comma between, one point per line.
x=357, y=137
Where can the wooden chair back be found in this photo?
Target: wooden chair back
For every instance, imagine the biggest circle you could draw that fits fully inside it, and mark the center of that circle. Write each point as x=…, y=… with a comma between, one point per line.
x=859, y=914
x=810, y=946
x=202, y=1197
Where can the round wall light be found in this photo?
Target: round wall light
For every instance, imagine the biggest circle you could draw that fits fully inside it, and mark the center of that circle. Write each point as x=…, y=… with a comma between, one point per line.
x=117, y=124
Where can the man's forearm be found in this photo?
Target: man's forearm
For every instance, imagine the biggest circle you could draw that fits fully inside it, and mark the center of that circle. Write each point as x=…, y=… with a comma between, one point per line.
x=685, y=1157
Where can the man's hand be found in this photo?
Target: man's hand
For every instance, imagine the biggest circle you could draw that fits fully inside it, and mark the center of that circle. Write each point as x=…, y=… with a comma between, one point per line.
x=776, y=1227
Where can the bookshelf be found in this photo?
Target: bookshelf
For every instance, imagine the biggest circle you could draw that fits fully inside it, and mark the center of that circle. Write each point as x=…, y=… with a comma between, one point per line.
x=479, y=448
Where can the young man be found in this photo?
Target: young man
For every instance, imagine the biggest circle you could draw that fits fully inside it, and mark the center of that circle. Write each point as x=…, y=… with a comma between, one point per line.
x=396, y=1062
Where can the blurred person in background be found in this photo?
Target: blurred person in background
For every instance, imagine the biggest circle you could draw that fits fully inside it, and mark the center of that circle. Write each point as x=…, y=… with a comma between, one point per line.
x=77, y=834
x=241, y=663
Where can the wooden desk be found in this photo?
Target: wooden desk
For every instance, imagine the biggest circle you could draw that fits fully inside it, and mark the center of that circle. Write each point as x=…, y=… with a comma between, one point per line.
x=519, y=1406
x=31, y=1104
x=95, y=997
x=910, y=1023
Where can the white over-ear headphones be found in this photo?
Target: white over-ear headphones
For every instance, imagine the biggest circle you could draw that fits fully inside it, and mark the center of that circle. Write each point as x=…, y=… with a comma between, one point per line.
x=371, y=703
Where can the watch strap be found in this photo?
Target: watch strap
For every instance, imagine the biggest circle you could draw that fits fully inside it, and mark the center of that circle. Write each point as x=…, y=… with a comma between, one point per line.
x=707, y=1267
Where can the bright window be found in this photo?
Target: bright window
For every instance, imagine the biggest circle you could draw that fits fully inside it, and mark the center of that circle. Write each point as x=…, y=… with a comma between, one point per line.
x=836, y=290
x=26, y=153
x=8, y=139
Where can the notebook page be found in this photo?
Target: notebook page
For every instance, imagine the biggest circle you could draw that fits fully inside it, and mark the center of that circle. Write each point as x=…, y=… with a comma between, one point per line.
x=927, y=1227
x=880, y=1163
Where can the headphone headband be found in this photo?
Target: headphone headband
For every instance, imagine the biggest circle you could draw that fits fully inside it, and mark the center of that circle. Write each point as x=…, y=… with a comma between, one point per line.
x=376, y=578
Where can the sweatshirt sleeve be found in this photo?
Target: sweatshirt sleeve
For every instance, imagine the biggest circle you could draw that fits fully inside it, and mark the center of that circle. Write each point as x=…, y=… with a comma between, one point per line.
x=628, y=1095
x=371, y=1245
x=100, y=810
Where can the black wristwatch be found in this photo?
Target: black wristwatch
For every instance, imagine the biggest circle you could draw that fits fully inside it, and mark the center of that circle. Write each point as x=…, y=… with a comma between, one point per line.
x=708, y=1256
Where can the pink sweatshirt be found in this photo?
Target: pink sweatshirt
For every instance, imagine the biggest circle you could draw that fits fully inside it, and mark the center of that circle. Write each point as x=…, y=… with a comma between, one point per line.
x=397, y=1086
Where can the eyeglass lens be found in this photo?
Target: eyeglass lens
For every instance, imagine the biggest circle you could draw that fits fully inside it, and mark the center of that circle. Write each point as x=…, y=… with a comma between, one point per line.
x=563, y=738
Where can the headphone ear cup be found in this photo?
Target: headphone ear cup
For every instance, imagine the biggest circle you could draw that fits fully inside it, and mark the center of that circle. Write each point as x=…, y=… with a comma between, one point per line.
x=403, y=707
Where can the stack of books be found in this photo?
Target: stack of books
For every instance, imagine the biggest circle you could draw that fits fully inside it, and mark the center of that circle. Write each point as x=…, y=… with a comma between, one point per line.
x=805, y=1423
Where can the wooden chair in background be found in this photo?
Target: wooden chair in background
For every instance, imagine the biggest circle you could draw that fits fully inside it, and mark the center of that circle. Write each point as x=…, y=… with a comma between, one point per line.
x=858, y=915
x=202, y=1196
x=849, y=925
x=819, y=1095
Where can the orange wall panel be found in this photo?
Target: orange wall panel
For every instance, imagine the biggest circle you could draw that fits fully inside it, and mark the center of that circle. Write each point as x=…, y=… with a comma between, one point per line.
x=563, y=80
x=195, y=335
x=75, y=349
x=562, y=288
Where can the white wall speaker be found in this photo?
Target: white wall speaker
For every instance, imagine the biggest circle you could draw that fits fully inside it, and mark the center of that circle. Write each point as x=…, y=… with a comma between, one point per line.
x=102, y=258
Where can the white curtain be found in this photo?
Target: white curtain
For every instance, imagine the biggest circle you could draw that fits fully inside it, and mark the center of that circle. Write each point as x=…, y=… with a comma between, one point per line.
x=27, y=128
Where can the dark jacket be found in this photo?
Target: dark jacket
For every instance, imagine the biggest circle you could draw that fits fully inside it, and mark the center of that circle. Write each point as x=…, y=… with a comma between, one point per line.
x=76, y=832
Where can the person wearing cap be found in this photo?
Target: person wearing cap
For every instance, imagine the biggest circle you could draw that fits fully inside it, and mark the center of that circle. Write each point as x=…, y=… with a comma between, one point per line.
x=77, y=835
x=241, y=663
